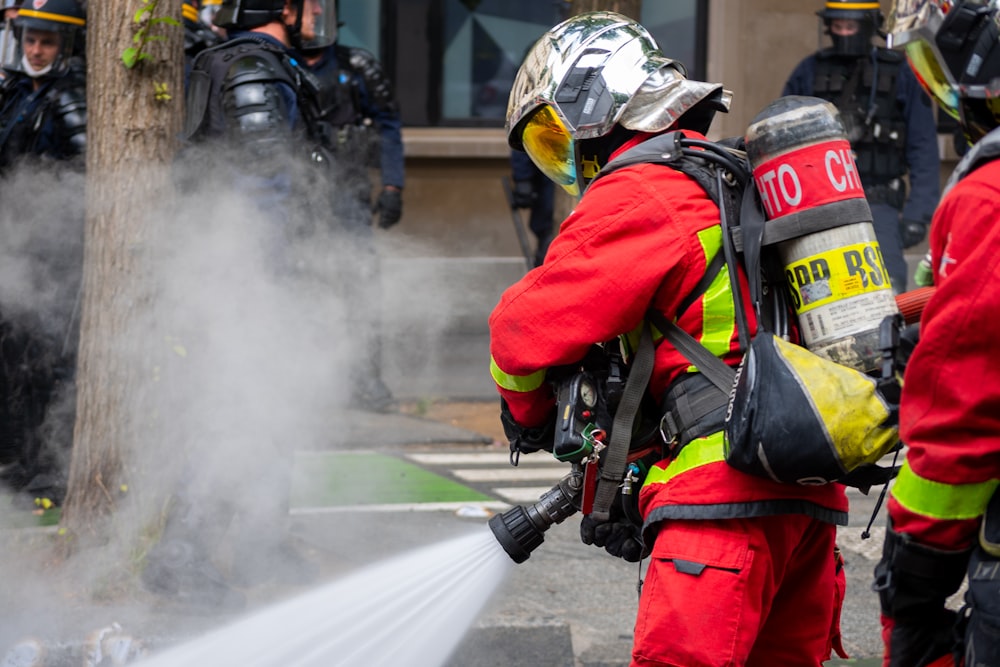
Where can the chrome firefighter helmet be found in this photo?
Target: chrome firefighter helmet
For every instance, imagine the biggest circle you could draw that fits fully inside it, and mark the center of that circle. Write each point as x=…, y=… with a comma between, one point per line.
x=590, y=75
x=954, y=50
x=865, y=17
x=58, y=22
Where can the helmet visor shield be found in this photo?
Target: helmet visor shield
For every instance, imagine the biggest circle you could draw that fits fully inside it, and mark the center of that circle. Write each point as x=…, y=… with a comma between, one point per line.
x=551, y=147
x=319, y=23
x=932, y=76
x=10, y=49
x=915, y=23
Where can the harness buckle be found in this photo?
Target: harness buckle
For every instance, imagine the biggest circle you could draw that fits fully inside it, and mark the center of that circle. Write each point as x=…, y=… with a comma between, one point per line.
x=669, y=431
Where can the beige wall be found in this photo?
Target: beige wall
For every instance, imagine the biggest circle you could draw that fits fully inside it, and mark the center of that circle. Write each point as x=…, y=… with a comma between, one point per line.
x=453, y=201
x=753, y=45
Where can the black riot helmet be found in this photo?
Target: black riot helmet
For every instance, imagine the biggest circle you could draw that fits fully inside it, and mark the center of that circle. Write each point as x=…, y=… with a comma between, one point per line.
x=248, y=14
x=838, y=14
x=311, y=17
x=64, y=17
x=954, y=50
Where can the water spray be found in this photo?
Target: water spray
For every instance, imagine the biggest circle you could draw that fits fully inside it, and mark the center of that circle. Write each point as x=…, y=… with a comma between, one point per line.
x=520, y=530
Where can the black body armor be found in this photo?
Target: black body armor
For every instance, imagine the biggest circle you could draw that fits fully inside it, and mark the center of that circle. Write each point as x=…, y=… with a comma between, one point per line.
x=864, y=91
x=50, y=122
x=235, y=93
x=341, y=108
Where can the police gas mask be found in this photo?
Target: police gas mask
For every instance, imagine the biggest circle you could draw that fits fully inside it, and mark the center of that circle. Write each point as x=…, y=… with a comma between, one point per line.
x=851, y=37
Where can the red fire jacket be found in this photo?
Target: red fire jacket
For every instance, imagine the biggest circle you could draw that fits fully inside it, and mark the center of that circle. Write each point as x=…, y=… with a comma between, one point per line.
x=950, y=409
x=642, y=235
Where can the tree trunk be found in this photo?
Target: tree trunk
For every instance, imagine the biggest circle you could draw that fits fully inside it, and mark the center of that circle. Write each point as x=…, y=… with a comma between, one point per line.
x=564, y=203
x=131, y=138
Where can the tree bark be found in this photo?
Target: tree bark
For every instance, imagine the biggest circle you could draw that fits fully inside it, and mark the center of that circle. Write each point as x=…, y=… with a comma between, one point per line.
x=131, y=138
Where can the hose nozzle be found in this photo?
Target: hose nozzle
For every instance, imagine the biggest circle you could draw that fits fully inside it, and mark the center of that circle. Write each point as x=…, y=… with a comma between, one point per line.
x=521, y=529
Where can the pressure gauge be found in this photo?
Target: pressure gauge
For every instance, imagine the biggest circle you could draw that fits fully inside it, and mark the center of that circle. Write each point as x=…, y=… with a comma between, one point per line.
x=588, y=394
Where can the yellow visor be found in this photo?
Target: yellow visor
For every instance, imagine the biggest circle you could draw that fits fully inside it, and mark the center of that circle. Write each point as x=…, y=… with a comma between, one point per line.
x=551, y=147
x=925, y=65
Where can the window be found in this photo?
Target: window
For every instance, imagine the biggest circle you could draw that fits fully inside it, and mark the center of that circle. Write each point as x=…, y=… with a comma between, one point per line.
x=453, y=61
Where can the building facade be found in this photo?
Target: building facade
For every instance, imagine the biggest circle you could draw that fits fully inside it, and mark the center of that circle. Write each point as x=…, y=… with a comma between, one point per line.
x=453, y=62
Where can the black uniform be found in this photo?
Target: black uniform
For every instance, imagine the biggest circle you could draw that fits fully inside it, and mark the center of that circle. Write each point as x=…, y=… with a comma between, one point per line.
x=49, y=122
x=250, y=109
x=38, y=344
x=358, y=110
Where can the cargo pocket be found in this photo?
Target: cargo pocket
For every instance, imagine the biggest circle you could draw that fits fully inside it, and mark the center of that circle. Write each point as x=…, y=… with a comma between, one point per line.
x=697, y=579
x=982, y=635
x=836, y=643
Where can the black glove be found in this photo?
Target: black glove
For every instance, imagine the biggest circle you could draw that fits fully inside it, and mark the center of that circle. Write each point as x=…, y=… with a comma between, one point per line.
x=524, y=195
x=619, y=536
x=912, y=232
x=389, y=208
x=913, y=581
x=525, y=440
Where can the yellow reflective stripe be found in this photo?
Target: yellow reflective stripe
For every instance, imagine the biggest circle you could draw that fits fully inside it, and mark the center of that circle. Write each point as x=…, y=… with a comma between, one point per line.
x=516, y=382
x=938, y=500
x=189, y=12
x=697, y=453
x=629, y=341
x=58, y=18
x=852, y=5
x=718, y=310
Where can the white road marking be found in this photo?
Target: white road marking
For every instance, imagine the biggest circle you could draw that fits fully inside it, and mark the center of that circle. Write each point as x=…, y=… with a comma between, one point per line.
x=511, y=475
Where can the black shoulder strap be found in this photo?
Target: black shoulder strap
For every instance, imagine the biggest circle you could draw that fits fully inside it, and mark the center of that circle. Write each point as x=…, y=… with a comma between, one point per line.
x=716, y=370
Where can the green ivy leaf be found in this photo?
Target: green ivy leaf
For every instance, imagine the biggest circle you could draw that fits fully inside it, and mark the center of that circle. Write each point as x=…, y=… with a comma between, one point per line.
x=129, y=57
x=142, y=11
x=166, y=19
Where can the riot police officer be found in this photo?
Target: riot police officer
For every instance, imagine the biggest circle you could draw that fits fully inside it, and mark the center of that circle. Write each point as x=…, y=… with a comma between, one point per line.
x=249, y=104
x=359, y=110
x=43, y=102
x=42, y=125
x=889, y=122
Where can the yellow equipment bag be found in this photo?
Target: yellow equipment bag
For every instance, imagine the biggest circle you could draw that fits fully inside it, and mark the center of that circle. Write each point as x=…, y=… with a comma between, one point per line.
x=798, y=418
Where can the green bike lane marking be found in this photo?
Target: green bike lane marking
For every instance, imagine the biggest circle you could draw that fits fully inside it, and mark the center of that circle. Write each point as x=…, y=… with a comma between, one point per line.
x=327, y=482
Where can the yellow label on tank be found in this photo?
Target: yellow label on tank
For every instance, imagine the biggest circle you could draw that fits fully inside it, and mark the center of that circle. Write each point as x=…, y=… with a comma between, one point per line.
x=834, y=275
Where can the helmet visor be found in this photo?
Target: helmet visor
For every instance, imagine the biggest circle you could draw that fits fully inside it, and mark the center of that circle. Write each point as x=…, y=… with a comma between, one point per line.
x=925, y=63
x=915, y=23
x=550, y=146
x=319, y=23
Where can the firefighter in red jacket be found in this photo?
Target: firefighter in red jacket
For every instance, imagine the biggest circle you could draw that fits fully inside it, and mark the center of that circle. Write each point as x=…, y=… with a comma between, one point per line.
x=944, y=514
x=743, y=569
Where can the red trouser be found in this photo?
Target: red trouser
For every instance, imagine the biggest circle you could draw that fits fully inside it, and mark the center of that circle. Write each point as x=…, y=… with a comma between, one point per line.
x=764, y=591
